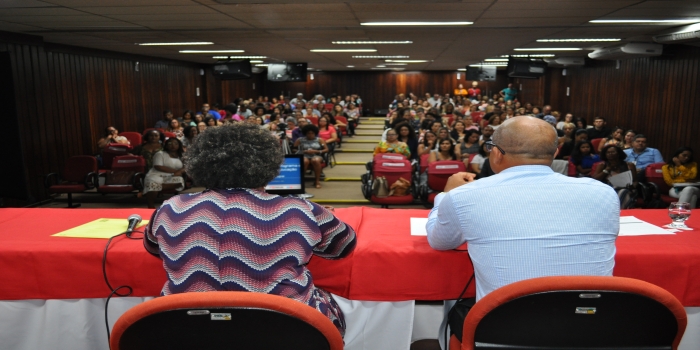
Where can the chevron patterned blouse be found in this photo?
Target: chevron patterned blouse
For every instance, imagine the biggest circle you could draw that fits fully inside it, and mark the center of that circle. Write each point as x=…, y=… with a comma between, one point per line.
x=248, y=240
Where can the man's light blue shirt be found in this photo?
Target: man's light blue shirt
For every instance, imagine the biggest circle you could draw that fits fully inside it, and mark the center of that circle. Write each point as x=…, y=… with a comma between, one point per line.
x=527, y=222
x=642, y=160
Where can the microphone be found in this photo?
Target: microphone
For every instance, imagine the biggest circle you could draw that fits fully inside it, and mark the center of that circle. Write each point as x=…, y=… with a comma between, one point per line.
x=134, y=220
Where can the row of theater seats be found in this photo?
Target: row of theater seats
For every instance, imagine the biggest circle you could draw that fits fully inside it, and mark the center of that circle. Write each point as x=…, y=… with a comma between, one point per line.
x=539, y=313
x=395, y=166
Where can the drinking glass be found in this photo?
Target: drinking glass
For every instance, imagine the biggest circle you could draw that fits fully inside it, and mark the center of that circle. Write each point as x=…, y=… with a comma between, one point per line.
x=679, y=212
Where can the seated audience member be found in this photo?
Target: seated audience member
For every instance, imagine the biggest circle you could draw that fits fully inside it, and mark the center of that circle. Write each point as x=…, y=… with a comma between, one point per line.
x=502, y=248
x=393, y=115
x=167, y=171
x=641, y=155
x=198, y=118
x=353, y=112
x=581, y=123
x=163, y=123
x=296, y=133
x=615, y=138
x=477, y=162
x=569, y=129
x=112, y=136
x=408, y=136
x=312, y=147
x=469, y=145
x=210, y=122
x=187, y=119
x=629, y=139
x=175, y=128
x=291, y=125
x=553, y=121
x=486, y=134
x=201, y=126
x=599, y=129
x=339, y=111
x=458, y=131
x=583, y=158
x=568, y=147
x=392, y=145
x=427, y=144
x=152, y=144
x=568, y=118
x=444, y=133
x=682, y=169
x=189, y=134
x=206, y=109
x=327, y=131
x=234, y=163
x=614, y=158
x=446, y=151
x=494, y=121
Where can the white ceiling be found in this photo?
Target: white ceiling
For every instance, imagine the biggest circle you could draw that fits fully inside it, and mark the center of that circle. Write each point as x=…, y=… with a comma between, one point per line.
x=287, y=30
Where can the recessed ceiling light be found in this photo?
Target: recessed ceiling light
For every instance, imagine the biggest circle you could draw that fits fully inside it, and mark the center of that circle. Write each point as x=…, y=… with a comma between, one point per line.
x=261, y=65
x=175, y=44
x=381, y=66
x=574, y=40
x=549, y=49
x=371, y=42
x=644, y=21
x=238, y=57
x=256, y=61
x=489, y=65
x=534, y=55
x=396, y=64
x=351, y=66
x=386, y=68
x=407, y=61
x=462, y=69
x=344, y=50
x=416, y=23
x=380, y=56
x=211, y=51
x=496, y=60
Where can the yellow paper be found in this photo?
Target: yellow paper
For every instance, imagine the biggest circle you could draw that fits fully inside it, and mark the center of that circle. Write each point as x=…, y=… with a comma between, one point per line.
x=100, y=228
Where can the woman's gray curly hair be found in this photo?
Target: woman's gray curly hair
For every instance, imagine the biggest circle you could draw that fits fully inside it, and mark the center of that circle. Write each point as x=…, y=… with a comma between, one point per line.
x=237, y=155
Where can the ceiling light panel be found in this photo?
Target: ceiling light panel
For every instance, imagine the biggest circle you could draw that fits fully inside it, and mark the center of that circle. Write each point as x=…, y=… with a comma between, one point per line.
x=239, y=57
x=548, y=49
x=380, y=57
x=370, y=42
x=533, y=55
x=344, y=50
x=416, y=23
x=177, y=44
x=574, y=40
x=644, y=21
x=211, y=51
x=407, y=61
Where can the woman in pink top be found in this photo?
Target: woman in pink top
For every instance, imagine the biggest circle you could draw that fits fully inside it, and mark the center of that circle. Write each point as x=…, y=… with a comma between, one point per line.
x=326, y=130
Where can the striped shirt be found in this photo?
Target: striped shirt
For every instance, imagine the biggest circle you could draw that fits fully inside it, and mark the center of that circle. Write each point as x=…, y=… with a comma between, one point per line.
x=527, y=222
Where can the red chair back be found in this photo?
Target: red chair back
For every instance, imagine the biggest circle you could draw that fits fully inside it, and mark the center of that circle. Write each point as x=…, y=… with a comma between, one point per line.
x=572, y=169
x=343, y=120
x=113, y=150
x=594, y=168
x=133, y=137
x=129, y=163
x=424, y=162
x=169, y=135
x=440, y=171
x=77, y=167
x=595, y=143
x=392, y=166
x=654, y=174
x=328, y=106
x=312, y=119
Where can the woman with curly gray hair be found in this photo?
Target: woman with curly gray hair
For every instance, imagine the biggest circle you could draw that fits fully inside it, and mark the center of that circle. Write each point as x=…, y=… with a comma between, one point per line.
x=234, y=236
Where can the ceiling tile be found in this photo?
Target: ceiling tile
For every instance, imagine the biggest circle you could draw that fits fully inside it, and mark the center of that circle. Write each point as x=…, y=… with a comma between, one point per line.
x=148, y=10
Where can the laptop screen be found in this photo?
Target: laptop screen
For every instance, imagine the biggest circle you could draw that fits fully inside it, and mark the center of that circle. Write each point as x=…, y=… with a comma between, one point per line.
x=291, y=177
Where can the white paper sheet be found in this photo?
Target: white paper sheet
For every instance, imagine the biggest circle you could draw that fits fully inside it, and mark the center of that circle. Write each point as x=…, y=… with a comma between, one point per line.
x=631, y=226
x=418, y=226
x=621, y=180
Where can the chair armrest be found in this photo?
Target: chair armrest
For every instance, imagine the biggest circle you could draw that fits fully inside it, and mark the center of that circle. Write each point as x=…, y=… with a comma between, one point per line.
x=91, y=180
x=47, y=180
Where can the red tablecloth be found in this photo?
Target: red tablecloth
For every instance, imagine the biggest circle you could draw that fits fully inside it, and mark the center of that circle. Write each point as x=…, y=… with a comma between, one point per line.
x=388, y=264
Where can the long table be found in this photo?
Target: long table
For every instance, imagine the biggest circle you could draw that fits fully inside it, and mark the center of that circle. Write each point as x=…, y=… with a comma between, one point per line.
x=388, y=263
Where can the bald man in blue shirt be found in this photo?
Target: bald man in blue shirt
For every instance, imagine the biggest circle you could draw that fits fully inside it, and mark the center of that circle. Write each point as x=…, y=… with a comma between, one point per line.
x=526, y=221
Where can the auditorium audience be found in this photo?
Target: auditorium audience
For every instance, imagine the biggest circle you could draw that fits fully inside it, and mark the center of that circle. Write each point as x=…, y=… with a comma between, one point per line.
x=408, y=136
x=682, y=169
x=458, y=131
x=641, y=155
x=296, y=133
x=629, y=139
x=201, y=126
x=615, y=138
x=234, y=163
x=568, y=118
x=152, y=144
x=163, y=123
x=167, y=171
x=469, y=145
x=175, y=128
x=599, y=129
x=613, y=158
x=478, y=161
x=313, y=148
x=568, y=147
x=326, y=130
x=187, y=119
x=427, y=144
x=189, y=133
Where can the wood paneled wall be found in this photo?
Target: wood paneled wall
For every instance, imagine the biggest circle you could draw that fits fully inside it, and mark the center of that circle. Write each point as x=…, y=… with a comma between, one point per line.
x=658, y=96
x=66, y=97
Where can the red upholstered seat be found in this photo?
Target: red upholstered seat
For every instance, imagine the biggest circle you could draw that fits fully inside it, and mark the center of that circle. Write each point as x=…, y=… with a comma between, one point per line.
x=79, y=175
x=134, y=138
x=113, y=150
x=392, y=166
x=438, y=173
x=133, y=166
x=574, y=312
x=654, y=174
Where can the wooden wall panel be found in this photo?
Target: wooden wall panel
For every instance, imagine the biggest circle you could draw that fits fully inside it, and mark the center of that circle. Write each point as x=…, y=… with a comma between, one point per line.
x=655, y=96
x=66, y=97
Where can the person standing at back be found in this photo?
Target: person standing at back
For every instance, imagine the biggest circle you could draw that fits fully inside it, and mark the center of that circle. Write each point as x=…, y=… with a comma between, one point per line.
x=529, y=238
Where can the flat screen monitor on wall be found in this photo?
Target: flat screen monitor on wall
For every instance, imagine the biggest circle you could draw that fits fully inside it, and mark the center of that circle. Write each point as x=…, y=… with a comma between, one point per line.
x=232, y=70
x=481, y=73
x=526, y=68
x=287, y=71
